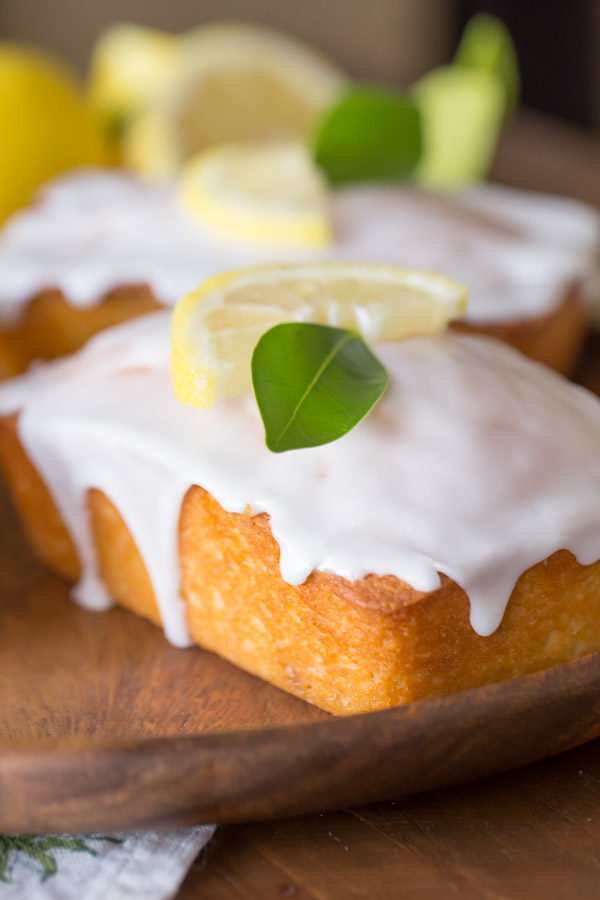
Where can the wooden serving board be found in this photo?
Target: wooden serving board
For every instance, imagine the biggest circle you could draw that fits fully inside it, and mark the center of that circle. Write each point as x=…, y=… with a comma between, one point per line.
x=104, y=726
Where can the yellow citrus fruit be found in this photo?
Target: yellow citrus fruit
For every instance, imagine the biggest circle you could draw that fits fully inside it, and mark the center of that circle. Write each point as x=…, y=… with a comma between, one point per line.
x=232, y=82
x=130, y=69
x=46, y=125
x=463, y=110
x=267, y=192
x=215, y=328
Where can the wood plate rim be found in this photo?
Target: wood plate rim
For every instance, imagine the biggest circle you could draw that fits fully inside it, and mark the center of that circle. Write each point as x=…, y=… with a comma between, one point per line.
x=241, y=775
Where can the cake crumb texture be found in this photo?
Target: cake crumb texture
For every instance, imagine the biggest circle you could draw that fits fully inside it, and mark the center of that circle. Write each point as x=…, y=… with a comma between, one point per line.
x=347, y=647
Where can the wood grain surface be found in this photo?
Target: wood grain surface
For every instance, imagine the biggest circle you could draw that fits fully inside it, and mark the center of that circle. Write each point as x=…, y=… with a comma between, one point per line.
x=532, y=834
x=528, y=834
x=103, y=725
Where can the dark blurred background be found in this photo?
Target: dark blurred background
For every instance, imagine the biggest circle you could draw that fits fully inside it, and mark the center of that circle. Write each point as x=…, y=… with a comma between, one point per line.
x=385, y=40
x=557, y=43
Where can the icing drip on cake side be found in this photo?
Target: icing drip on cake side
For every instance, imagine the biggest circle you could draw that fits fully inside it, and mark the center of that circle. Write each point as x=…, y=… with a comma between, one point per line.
x=93, y=231
x=459, y=469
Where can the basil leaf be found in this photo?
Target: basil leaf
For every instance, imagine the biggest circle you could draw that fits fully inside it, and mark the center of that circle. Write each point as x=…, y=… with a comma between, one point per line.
x=313, y=383
x=369, y=135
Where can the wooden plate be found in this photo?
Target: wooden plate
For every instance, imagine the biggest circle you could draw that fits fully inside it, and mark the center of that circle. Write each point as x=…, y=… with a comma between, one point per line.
x=103, y=725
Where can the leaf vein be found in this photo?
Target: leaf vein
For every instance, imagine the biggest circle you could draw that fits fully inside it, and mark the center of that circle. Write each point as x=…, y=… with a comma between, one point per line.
x=344, y=339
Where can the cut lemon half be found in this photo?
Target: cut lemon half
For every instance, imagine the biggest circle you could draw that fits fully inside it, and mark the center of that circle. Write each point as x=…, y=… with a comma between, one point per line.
x=232, y=82
x=216, y=328
x=264, y=192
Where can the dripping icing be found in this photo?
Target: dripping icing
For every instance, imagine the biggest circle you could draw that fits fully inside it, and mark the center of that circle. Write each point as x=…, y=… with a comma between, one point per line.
x=96, y=230
x=460, y=468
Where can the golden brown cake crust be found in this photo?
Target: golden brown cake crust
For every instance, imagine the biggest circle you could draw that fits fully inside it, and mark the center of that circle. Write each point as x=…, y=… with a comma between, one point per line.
x=344, y=646
x=50, y=327
x=554, y=339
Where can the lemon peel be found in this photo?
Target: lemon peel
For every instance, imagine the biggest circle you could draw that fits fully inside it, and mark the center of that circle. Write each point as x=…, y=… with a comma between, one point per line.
x=215, y=328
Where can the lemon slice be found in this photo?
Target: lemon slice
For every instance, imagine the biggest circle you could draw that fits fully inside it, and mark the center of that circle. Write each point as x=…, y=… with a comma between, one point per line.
x=265, y=192
x=215, y=328
x=130, y=69
x=46, y=126
x=232, y=82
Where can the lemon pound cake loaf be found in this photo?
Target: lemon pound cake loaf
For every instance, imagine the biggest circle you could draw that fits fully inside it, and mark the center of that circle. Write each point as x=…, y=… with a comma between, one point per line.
x=100, y=247
x=449, y=540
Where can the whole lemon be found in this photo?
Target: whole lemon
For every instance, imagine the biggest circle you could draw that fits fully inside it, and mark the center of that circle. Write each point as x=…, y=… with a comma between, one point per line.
x=46, y=125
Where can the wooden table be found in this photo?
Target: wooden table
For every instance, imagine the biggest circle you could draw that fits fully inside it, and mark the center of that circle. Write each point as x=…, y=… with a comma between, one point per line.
x=530, y=834
x=534, y=833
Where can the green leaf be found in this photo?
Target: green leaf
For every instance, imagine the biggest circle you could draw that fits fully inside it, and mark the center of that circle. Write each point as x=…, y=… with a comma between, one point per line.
x=486, y=45
x=463, y=110
x=369, y=135
x=38, y=849
x=313, y=383
x=4, y=851
x=45, y=860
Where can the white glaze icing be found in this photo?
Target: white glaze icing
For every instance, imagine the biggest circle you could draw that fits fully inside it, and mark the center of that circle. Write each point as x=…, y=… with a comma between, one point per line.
x=517, y=252
x=475, y=463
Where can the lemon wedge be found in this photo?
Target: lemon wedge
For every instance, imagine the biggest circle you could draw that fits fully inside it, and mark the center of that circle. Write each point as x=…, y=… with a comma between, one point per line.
x=232, y=82
x=46, y=125
x=131, y=67
x=215, y=329
x=262, y=191
x=463, y=110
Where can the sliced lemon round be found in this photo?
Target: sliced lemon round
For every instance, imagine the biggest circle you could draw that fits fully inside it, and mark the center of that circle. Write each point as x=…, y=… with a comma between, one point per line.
x=232, y=82
x=45, y=123
x=130, y=69
x=215, y=328
x=267, y=192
